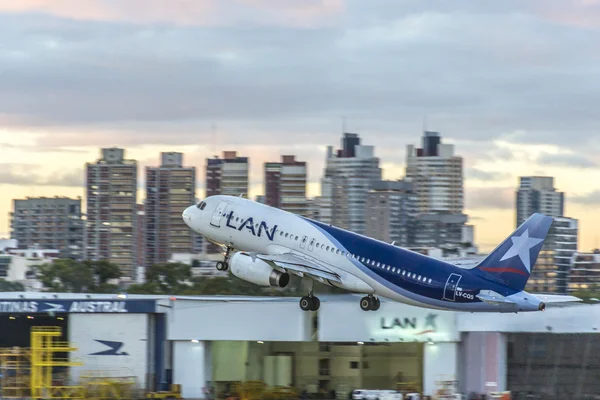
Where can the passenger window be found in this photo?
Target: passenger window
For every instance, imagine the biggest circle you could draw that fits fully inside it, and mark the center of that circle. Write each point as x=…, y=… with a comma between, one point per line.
x=327, y=248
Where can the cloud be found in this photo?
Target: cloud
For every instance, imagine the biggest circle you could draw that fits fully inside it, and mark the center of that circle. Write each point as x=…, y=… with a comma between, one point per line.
x=480, y=175
x=129, y=79
x=28, y=175
x=186, y=13
x=491, y=198
x=591, y=199
x=566, y=160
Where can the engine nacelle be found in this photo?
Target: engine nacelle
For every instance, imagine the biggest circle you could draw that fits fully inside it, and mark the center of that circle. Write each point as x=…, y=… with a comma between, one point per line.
x=258, y=271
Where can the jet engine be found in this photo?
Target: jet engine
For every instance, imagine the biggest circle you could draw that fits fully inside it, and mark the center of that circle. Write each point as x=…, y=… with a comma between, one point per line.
x=257, y=271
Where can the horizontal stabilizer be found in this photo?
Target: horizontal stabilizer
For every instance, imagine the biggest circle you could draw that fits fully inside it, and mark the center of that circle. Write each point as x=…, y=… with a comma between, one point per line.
x=494, y=299
x=557, y=298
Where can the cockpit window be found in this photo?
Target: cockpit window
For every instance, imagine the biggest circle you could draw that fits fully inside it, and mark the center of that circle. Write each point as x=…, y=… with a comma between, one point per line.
x=201, y=205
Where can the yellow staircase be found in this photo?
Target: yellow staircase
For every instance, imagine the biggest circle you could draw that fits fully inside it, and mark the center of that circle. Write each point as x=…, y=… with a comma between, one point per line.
x=47, y=353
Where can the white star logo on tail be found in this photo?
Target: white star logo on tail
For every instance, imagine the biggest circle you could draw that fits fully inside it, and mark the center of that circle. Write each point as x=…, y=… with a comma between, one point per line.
x=520, y=247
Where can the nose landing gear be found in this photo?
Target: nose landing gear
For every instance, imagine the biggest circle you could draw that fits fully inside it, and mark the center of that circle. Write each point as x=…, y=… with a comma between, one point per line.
x=224, y=265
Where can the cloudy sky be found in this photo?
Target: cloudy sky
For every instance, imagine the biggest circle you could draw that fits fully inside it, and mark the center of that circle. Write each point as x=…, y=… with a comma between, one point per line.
x=514, y=84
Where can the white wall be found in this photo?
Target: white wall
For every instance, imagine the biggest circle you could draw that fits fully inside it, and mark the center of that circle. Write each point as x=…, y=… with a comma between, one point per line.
x=189, y=368
x=129, y=355
x=439, y=364
x=213, y=320
x=577, y=318
x=345, y=321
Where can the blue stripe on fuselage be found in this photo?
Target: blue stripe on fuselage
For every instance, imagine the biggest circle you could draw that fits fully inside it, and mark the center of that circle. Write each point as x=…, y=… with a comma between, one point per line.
x=410, y=261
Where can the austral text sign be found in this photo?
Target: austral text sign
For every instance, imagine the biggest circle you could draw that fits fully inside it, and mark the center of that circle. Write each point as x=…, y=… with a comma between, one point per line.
x=77, y=306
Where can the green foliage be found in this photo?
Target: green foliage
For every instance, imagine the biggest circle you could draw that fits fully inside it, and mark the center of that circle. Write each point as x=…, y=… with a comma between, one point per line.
x=67, y=275
x=7, y=286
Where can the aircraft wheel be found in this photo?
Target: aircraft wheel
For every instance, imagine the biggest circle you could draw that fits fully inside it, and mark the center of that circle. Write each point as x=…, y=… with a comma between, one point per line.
x=366, y=303
x=221, y=266
x=376, y=304
x=306, y=303
x=316, y=303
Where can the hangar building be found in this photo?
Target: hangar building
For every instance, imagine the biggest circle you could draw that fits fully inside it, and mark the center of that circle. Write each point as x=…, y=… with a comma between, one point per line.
x=215, y=341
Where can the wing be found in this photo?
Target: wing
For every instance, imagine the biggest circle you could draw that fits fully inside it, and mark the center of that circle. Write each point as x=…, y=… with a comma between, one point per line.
x=556, y=298
x=301, y=266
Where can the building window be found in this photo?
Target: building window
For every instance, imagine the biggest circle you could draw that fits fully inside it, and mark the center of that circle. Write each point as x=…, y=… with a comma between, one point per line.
x=353, y=364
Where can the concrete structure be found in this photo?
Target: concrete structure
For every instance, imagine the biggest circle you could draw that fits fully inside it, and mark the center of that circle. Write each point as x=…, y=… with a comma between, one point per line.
x=203, y=265
x=538, y=194
x=285, y=185
x=227, y=175
x=349, y=174
x=585, y=271
x=551, y=272
x=140, y=227
x=19, y=266
x=50, y=223
x=443, y=231
x=111, y=187
x=437, y=175
x=170, y=189
x=166, y=339
x=391, y=212
x=202, y=341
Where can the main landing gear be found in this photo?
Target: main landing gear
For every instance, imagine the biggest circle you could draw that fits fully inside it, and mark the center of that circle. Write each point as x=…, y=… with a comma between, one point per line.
x=310, y=302
x=224, y=265
x=370, y=303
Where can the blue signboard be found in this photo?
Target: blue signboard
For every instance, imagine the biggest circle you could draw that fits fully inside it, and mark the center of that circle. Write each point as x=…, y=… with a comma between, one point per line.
x=77, y=306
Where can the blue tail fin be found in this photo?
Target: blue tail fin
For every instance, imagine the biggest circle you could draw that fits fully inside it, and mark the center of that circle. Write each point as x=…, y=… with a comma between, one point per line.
x=512, y=261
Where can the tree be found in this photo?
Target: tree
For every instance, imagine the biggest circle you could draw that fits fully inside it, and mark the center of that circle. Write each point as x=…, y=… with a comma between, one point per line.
x=168, y=278
x=66, y=275
x=8, y=286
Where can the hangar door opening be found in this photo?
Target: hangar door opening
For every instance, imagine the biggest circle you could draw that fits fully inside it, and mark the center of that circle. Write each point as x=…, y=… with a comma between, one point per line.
x=318, y=367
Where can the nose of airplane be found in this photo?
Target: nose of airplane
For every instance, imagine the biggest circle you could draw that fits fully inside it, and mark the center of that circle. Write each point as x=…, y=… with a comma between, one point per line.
x=187, y=214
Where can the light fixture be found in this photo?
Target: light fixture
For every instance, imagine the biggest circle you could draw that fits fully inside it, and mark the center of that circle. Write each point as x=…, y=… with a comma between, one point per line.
x=59, y=318
x=29, y=317
x=195, y=341
x=360, y=343
x=259, y=342
x=11, y=317
x=430, y=342
x=122, y=296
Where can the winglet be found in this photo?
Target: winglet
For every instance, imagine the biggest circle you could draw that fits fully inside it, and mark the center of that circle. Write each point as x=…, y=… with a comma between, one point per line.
x=512, y=261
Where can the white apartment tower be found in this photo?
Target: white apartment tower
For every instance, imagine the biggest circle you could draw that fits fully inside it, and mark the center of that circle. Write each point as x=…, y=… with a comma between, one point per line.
x=349, y=174
x=536, y=194
x=111, y=192
x=437, y=175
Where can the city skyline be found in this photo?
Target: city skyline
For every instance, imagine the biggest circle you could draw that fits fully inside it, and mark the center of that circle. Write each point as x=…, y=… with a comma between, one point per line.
x=257, y=188
x=514, y=102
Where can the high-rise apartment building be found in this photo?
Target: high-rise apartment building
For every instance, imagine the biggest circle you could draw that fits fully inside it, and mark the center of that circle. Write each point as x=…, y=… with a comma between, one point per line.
x=227, y=175
x=551, y=271
x=536, y=194
x=585, y=271
x=140, y=223
x=170, y=189
x=48, y=223
x=390, y=212
x=437, y=175
x=349, y=174
x=111, y=186
x=285, y=185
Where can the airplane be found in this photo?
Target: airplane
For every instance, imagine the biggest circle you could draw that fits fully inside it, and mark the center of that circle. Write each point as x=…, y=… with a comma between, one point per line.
x=264, y=245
